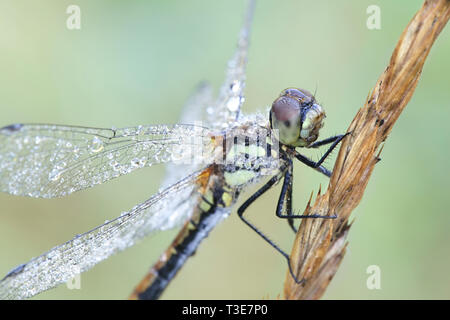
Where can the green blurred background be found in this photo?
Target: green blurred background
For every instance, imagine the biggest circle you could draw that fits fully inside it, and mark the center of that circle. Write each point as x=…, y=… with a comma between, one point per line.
x=136, y=62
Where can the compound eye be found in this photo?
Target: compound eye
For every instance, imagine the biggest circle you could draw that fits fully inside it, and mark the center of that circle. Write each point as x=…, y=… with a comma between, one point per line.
x=285, y=117
x=302, y=95
x=285, y=109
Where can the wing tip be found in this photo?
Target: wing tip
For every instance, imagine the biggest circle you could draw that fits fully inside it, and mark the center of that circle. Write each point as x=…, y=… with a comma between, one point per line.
x=12, y=128
x=14, y=271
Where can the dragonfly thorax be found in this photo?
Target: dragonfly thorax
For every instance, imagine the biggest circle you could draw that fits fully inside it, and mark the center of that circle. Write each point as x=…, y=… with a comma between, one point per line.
x=296, y=117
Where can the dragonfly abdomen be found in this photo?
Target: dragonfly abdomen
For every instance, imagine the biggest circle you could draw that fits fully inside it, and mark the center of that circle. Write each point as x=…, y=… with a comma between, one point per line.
x=214, y=205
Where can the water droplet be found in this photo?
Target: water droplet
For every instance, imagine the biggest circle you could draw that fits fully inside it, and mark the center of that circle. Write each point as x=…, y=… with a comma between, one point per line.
x=233, y=104
x=125, y=169
x=135, y=162
x=54, y=175
x=127, y=132
x=115, y=165
x=235, y=87
x=96, y=145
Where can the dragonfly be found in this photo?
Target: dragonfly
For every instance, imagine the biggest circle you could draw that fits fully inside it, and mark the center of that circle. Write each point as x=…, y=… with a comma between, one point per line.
x=224, y=155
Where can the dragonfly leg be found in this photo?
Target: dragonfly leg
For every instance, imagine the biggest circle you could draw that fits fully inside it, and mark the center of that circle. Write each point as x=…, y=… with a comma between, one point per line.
x=286, y=194
x=289, y=216
x=326, y=141
x=318, y=165
x=247, y=203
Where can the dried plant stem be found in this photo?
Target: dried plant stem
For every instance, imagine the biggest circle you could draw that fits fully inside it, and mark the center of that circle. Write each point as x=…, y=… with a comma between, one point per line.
x=320, y=243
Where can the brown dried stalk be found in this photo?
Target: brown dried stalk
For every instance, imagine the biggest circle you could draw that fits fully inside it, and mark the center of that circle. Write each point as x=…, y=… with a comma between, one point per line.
x=320, y=243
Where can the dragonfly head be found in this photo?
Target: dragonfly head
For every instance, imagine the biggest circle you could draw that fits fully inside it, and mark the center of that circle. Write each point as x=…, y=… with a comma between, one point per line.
x=296, y=117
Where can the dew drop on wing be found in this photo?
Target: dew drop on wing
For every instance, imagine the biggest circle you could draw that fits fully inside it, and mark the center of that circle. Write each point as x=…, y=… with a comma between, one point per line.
x=96, y=145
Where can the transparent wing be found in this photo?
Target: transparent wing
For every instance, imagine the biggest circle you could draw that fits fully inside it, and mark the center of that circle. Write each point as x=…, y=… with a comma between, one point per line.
x=52, y=161
x=194, y=110
x=193, y=113
x=84, y=251
x=226, y=109
x=223, y=113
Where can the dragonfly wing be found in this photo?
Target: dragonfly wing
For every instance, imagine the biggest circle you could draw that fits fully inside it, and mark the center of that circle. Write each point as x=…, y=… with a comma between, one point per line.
x=166, y=209
x=194, y=113
x=194, y=109
x=52, y=161
x=226, y=109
